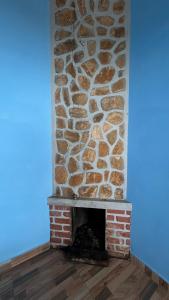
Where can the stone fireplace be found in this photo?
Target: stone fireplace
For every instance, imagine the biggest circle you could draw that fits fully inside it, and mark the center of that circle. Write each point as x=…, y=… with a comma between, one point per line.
x=90, y=115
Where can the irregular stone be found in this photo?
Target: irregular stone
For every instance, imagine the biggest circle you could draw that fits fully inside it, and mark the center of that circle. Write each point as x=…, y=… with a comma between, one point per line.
x=106, y=127
x=118, y=194
x=119, y=148
x=70, y=123
x=121, y=73
x=118, y=7
x=82, y=125
x=72, y=165
x=71, y=70
x=60, y=123
x=62, y=34
x=118, y=32
x=89, y=20
x=62, y=146
x=117, y=178
x=103, y=149
x=105, y=192
x=106, y=175
x=65, y=17
x=59, y=65
x=77, y=112
x=66, y=98
x=103, y=5
x=81, y=7
x=78, y=148
x=60, y=111
x=101, y=30
x=105, y=58
x=115, y=118
x=85, y=137
x=98, y=117
x=61, y=80
x=65, y=47
x=89, y=155
x=67, y=192
x=109, y=103
x=122, y=130
x=93, y=106
x=84, y=82
x=73, y=86
x=78, y=56
x=97, y=132
x=60, y=3
x=117, y=163
x=92, y=6
x=60, y=175
x=91, y=46
x=59, y=134
x=79, y=99
x=92, y=144
x=57, y=95
x=112, y=136
x=107, y=44
x=88, y=192
x=87, y=166
x=105, y=20
x=59, y=159
x=58, y=191
x=119, y=86
x=121, y=61
x=85, y=32
x=93, y=178
x=90, y=67
x=101, y=164
x=120, y=47
x=76, y=180
x=105, y=76
x=100, y=91
x=122, y=19
x=71, y=136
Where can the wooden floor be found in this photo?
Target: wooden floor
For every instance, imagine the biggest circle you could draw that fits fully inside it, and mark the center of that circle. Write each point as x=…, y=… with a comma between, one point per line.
x=51, y=276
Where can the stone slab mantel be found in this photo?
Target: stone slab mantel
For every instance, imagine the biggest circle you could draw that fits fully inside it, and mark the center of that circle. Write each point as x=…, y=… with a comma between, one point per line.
x=90, y=203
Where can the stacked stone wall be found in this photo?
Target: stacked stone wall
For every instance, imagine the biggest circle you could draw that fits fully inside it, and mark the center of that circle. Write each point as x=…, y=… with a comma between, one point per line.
x=90, y=86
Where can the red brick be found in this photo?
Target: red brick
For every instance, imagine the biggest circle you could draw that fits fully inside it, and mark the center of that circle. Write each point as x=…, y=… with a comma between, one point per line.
x=55, y=240
x=67, y=214
x=122, y=248
x=110, y=218
x=128, y=242
x=112, y=240
x=63, y=221
x=55, y=227
x=67, y=228
x=51, y=207
x=51, y=220
x=55, y=213
x=128, y=212
x=115, y=225
x=67, y=241
x=123, y=234
x=127, y=227
x=123, y=219
x=116, y=211
x=65, y=208
x=63, y=234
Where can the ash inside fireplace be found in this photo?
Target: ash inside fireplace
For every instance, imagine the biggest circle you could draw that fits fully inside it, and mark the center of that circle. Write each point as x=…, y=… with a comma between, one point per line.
x=88, y=234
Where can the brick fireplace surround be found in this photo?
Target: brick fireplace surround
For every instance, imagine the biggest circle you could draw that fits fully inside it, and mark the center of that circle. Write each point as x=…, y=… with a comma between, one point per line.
x=117, y=217
x=90, y=78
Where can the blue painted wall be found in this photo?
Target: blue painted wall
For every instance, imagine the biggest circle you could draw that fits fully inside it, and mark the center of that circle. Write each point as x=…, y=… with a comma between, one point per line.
x=148, y=169
x=25, y=125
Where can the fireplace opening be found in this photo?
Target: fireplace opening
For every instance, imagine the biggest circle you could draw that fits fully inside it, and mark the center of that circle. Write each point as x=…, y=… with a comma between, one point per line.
x=88, y=234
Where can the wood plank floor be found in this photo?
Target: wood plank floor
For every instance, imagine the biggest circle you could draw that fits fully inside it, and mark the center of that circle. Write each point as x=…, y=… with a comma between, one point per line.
x=51, y=276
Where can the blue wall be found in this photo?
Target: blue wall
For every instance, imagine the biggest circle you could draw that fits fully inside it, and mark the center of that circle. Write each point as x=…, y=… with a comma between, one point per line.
x=25, y=121
x=148, y=169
